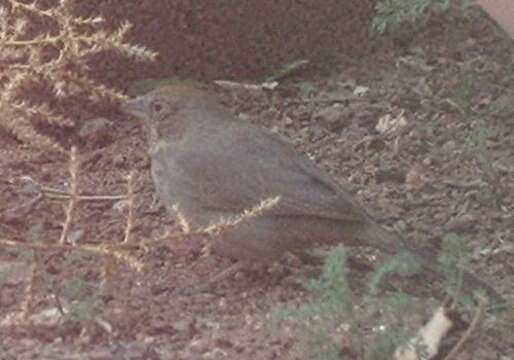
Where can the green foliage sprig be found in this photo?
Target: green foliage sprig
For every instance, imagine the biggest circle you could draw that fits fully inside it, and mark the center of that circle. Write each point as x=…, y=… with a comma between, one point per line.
x=390, y=14
x=335, y=305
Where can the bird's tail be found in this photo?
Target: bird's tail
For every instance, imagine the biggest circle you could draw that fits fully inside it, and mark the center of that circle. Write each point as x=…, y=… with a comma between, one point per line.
x=379, y=237
x=392, y=243
x=429, y=261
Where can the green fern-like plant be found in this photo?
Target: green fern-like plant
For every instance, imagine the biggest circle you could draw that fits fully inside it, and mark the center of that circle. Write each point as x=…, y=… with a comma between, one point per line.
x=335, y=305
x=332, y=307
x=390, y=14
x=380, y=322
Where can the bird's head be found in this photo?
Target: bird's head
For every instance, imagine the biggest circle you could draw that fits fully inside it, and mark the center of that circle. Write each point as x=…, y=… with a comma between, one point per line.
x=169, y=112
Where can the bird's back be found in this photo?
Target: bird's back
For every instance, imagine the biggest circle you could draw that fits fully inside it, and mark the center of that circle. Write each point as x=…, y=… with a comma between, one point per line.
x=230, y=166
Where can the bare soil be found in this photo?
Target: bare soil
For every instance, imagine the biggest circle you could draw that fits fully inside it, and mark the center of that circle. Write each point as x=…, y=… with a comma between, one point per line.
x=423, y=177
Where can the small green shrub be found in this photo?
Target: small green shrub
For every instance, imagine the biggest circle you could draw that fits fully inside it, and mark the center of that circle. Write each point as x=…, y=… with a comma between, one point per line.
x=390, y=14
x=335, y=307
x=378, y=323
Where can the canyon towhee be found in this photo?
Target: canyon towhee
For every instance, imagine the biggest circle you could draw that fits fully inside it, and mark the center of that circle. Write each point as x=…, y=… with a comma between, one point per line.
x=214, y=166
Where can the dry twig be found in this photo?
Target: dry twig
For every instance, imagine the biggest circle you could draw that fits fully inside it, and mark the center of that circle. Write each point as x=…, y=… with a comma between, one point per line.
x=54, y=56
x=73, y=196
x=130, y=204
x=28, y=300
x=482, y=303
x=118, y=252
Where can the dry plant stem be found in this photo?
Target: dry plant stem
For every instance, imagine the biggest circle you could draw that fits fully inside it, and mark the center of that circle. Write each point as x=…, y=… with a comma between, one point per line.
x=320, y=101
x=182, y=221
x=458, y=289
x=130, y=200
x=218, y=227
x=88, y=197
x=32, y=8
x=63, y=71
x=53, y=193
x=61, y=194
x=224, y=224
x=210, y=283
x=482, y=303
x=108, y=270
x=110, y=264
x=28, y=300
x=73, y=195
x=95, y=249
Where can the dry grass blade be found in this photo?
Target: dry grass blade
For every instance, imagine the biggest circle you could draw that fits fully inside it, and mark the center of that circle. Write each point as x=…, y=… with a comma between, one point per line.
x=130, y=204
x=73, y=196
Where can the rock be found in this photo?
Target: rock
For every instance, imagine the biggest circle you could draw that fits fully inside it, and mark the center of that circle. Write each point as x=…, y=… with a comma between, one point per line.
x=118, y=160
x=449, y=146
x=332, y=117
x=390, y=175
x=416, y=179
x=462, y=224
x=388, y=123
x=360, y=90
x=183, y=325
x=244, y=117
x=94, y=126
x=95, y=131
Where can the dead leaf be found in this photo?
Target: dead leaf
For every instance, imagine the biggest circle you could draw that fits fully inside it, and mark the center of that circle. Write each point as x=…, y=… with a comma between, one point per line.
x=388, y=123
x=415, y=179
x=428, y=336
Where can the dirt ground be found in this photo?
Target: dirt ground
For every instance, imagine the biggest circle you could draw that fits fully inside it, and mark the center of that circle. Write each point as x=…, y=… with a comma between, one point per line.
x=399, y=121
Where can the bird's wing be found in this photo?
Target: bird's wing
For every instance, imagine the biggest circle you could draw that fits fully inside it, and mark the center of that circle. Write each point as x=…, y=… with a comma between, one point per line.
x=250, y=165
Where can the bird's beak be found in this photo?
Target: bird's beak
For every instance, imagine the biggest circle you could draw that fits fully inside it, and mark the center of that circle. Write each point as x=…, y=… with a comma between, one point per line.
x=134, y=107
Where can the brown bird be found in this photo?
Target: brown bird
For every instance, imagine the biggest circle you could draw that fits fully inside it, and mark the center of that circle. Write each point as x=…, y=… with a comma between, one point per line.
x=215, y=166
